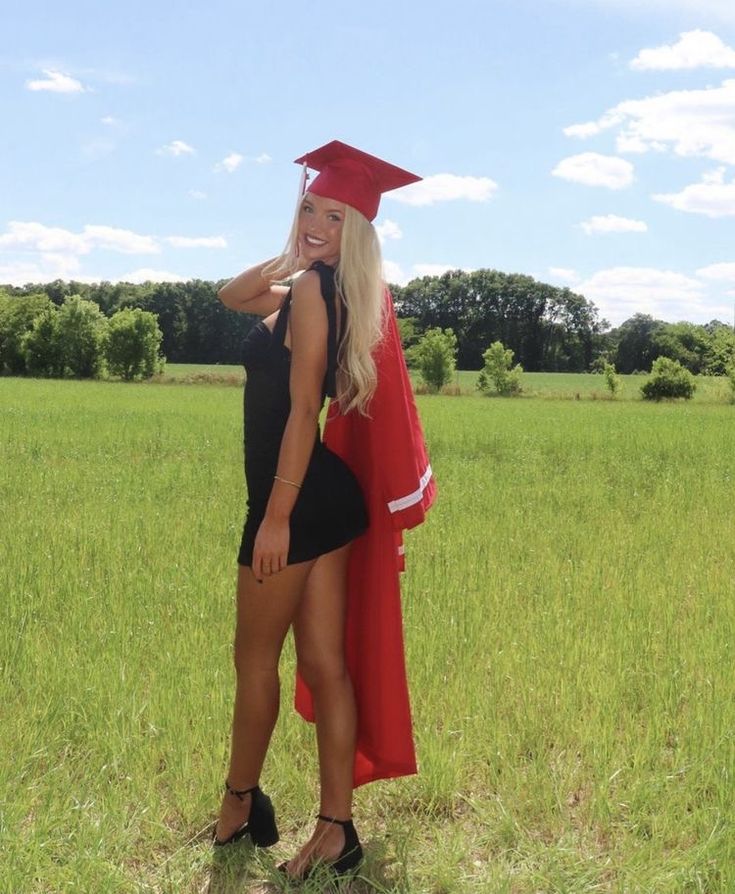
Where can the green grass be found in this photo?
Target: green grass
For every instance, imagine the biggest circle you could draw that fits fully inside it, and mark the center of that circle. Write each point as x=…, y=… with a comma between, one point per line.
x=588, y=386
x=569, y=627
x=553, y=386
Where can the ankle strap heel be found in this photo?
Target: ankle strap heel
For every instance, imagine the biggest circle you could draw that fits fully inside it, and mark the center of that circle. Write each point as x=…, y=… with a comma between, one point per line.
x=351, y=854
x=240, y=795
x=261, y=823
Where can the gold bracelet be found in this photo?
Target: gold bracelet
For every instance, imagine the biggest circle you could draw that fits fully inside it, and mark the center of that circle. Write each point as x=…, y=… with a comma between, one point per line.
x=286, y=481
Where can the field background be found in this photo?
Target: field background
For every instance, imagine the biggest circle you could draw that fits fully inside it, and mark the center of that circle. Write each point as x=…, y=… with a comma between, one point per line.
x=555, y=386
x=569, y=626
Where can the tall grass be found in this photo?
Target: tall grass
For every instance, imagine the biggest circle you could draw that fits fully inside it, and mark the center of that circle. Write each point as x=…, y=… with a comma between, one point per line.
x=569, y=629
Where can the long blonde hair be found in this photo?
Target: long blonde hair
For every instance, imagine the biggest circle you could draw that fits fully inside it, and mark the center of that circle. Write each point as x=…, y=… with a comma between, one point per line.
x=359, y=282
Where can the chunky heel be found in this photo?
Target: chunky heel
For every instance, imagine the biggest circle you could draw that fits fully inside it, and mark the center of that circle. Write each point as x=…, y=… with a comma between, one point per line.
x=346, y=862
x=351, y=855
x=260, y=825
x=262, y=821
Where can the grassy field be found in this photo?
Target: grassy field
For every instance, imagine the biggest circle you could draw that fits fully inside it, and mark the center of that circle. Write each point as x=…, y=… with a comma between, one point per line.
x=553, y=386
x=570, y=630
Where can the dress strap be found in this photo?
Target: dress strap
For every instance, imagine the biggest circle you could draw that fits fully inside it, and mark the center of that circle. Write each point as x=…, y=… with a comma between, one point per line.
x=279, y=330
x=329, y=294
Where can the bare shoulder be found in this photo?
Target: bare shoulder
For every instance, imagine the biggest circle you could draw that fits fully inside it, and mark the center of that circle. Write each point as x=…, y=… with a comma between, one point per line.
x=307, y=288
x=306, y=298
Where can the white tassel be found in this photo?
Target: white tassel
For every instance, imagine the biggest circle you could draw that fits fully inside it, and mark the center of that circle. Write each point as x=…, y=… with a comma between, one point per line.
x=304, y=180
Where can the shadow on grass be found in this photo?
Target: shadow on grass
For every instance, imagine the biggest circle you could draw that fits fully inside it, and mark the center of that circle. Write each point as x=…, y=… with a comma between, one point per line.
x=243, y=868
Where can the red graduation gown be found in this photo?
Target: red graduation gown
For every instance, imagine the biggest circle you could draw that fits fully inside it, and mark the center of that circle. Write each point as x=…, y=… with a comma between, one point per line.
x=387, y=453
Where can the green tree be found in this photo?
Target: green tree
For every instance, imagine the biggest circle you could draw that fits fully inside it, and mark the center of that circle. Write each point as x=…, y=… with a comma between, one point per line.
x=546, y=327
x=499, y=376
x=17, y=314
x=42, y=346
x=132, y=346
x=82, y=330
x=668, y=379
x=685, y=342
x=635, y=343
x=720, y=353
x=407, y=331
x=434, y=357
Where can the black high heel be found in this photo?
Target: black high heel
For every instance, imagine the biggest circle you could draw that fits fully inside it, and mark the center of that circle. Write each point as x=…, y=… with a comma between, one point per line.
x=348, y=859
x=261, y=823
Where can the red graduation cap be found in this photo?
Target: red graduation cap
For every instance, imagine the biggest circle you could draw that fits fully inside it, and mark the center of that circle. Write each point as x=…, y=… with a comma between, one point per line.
x=353, y=177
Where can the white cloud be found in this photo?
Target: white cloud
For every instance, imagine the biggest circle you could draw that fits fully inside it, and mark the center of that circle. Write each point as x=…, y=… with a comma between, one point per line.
x=57, y=82
x=631, y=143
x=588, y=129
x=712, y=196
x=262, y=159
x=389, y=229
x=393, y=272
x=46, y=268
x=54, y=253
x=611, y=223
x=176, y=148
x=434, y=269
x=230, y=163
x=621, y=292
x=146, y=274
x=565, y=274
x=110, y=121
x=592, y=128
x=34, y=236
x=694, y=49
x=692, y=123
x=593, y=169
x=115, y=239
x=197, y=194
x=445, y=188
x=197, y=241
x=724, y=271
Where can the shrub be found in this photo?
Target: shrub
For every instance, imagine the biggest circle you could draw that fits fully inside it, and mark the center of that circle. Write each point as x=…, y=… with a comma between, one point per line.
x=668, y=379
x=499, y=376
x=132, y=344
x=434, y=357
x=730, y=373
x=612, y=379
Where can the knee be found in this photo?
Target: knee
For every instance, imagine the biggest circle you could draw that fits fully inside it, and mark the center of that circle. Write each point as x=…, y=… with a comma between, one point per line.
x=251, y=662
x=321, y=672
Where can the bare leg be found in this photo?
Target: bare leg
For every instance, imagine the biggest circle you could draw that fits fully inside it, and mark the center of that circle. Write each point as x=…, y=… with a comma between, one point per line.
x=264, y=614
x=319, y=629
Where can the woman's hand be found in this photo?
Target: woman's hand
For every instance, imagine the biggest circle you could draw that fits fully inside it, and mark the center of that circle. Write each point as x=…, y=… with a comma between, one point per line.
x=270, y=552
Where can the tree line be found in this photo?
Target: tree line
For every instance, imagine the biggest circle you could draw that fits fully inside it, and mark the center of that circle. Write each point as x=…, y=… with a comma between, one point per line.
x=547, y=328
x=38, y=338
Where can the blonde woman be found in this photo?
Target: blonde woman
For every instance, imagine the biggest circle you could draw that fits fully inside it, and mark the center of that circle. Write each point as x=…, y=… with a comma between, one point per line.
x=305, y=506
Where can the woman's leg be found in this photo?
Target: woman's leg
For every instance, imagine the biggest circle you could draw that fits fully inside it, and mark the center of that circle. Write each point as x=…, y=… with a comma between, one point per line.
x=319, y=628
x=264, y=614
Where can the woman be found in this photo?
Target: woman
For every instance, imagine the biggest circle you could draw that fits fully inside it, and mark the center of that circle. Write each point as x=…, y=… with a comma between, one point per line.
x=305, y=505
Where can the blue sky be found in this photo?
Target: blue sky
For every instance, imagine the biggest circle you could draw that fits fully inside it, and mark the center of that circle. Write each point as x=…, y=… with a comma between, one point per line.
x=587, y=143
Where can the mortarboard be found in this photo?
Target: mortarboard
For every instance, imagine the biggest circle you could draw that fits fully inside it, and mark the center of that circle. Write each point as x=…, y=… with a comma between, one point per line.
x=352, y=176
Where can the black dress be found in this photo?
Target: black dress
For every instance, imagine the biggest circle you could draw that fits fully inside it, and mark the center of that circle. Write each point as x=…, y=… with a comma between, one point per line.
x=330, y=509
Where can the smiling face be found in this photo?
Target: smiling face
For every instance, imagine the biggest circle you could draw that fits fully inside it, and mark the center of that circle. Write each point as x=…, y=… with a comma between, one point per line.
x=320, y=229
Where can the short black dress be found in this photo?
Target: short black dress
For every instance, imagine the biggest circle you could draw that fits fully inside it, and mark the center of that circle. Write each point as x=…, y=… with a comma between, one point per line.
x=330, y=508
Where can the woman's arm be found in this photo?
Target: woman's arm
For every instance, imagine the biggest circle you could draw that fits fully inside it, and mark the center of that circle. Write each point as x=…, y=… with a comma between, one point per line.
x=309, y=328
x=252, y=292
